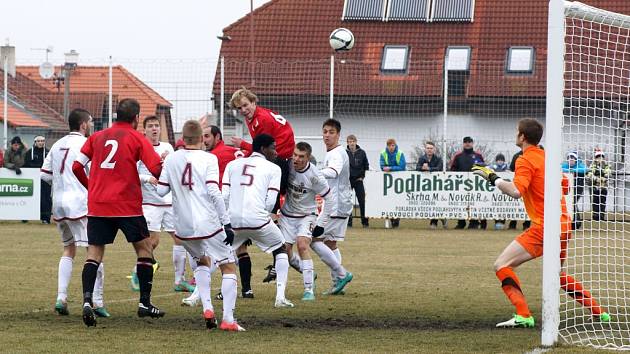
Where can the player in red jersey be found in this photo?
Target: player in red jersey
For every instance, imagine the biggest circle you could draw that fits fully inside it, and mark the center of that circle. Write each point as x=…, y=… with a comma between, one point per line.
x=115, y=200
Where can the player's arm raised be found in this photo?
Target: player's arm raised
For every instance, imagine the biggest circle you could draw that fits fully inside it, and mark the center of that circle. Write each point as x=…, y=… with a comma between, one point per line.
x=504, y=186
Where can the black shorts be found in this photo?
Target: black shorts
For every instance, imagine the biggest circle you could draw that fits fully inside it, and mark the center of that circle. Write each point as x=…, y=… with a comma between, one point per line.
x=102, y=230
x=284, y=167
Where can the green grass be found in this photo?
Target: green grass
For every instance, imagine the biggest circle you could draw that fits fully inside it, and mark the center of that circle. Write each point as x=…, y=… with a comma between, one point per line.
x=415, y=290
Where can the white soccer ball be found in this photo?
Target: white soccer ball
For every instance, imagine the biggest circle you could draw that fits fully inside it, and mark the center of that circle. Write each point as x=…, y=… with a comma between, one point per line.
x=341, y=39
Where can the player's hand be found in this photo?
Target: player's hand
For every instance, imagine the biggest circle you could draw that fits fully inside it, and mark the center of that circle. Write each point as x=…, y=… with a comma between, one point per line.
x=163, y=156
x=18, y=171
x=153, y=181
x=236, y=141
x=486, y=173
x=229, y=234
x=317, y=231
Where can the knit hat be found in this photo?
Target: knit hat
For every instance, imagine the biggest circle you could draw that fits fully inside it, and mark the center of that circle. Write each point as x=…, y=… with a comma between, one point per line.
x=500, y=157
x=16, y=140
x=599, y=153
x=573, y=154
x=179, y=143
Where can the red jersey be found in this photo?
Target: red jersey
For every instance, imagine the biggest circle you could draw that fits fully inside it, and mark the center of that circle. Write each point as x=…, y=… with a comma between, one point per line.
x=225, y=154
x=114, y=185
x=265, y=121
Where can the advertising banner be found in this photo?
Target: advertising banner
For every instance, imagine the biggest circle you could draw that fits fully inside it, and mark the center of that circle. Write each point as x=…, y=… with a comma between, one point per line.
x=19, y=194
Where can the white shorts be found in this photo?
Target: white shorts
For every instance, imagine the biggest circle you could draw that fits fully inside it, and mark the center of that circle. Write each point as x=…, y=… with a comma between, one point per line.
x=293, y=227
x=73, y=232
x=159, y=217
x=213, y=247
x=335, y=229
x=267, y=237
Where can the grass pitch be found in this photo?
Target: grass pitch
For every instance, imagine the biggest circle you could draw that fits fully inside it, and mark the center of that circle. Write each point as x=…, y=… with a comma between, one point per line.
x=415, y=290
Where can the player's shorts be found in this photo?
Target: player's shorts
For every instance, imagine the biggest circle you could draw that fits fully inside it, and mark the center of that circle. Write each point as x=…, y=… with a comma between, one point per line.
x=213, y=247
x=267, y=237
x=532, y=239
x=73, y=231
x=102, y=230
x=335, y=229
x=292, y=227
x=159, y=217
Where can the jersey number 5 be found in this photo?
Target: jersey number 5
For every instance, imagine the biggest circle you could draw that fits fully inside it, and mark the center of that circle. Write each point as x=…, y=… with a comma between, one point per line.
x=246, y=174
x=108, y=163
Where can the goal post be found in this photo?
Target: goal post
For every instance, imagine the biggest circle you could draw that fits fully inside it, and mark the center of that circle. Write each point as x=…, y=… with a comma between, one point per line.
x=588, y=99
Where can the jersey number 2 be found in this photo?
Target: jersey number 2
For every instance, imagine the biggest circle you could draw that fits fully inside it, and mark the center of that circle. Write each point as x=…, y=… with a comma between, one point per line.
x=108, y=163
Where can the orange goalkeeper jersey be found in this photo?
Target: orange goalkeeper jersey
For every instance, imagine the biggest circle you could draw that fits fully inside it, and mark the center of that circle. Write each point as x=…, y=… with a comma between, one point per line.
x=529, y=179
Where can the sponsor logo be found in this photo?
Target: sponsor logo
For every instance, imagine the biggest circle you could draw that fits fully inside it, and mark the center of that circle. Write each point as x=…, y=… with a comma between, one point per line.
x=14, y=187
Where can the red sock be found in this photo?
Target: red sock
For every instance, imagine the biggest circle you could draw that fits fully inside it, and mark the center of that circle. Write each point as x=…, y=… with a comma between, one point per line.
x=576, y=291
x=512, y=288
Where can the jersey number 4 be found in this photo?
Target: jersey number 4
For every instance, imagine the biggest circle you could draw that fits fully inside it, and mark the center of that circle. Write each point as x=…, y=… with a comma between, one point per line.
x=108, y=163
x=187, y=176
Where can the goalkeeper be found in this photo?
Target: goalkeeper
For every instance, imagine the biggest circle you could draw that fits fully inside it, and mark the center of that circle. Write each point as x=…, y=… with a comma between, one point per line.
x=529, y=184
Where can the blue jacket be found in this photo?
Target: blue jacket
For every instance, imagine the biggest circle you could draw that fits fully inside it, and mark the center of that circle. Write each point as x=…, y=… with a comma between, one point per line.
x=395, y=161
x=579, y=168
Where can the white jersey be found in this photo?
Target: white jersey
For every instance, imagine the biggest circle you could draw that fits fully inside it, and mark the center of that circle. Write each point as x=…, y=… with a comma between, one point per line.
x=69, y=195
x=193, y=178
x=337, y=173
x=149, y=191
x=250, y=188
x=302, y=187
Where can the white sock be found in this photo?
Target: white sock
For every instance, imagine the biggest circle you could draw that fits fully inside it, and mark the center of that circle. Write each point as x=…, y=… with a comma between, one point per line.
x=307, y=274
x=228, y=289
x=337, y=253
x=296, y=262
x=202, y=277
x=179, y=262
x=63, y=279
x=282, y=273
x=328, y=257
x=97, y=299
x=191, y=262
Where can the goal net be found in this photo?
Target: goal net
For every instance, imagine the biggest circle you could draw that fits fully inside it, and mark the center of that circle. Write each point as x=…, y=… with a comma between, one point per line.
x=594, y=149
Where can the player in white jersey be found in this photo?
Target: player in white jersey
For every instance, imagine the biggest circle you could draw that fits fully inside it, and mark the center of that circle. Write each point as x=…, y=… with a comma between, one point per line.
x=158, y=210
x=70, y=206
x=250, y=188
x=202, y=224
x=337, y=172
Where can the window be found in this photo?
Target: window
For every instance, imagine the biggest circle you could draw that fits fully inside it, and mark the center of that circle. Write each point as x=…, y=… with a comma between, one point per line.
x=408, y=10
x=520, y=60
x=453, y=10
x=395, y=59
x=363, y=10
x=458, y=58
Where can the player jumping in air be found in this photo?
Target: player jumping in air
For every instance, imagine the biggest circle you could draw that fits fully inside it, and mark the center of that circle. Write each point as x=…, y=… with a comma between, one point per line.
x=202, y=225
x=529, y=184
x=70, y=207
x=115, y=201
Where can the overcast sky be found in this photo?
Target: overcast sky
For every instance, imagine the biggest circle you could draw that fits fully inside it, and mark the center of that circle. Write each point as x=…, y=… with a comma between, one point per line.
x=138, y=29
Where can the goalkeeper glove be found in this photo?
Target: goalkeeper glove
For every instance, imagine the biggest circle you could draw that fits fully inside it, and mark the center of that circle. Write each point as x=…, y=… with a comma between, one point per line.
x=229, y=234
x=317, y=231
x=486, y=173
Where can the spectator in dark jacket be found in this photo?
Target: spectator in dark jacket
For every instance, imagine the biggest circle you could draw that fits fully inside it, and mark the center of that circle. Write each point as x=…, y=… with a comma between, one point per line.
x=34, y=158
x=463, y=161
x=430, y=162
x=358, y=165
x=14, y=156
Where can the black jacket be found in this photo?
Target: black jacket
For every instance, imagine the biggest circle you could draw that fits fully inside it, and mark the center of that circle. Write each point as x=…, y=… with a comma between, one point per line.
x=35, y=156
x=464, y=160
x=435, y=164
x=514, y=158
x=358, y=163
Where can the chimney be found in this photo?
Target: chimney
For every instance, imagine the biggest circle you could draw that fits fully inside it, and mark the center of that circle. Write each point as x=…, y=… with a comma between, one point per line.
x=7, y=51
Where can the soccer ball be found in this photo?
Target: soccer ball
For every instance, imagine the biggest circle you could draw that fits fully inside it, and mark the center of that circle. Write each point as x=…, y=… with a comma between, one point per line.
x=341, y=39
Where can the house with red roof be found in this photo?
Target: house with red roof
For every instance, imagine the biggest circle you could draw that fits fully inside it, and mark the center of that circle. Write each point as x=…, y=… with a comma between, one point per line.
x=391, y=84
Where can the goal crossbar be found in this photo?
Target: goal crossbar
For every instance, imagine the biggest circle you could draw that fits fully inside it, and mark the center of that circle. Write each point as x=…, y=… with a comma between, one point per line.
x=580, y=11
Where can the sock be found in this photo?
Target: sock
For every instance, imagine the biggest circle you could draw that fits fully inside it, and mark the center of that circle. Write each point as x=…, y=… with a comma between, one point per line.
x=202, y=277
x=228, y=289
x=512, y=288
x=296, y=262
x=328, y=257
x=337, y=253
x=307, y=274
x=191, y=262
x=98, y=286
x=179, y=262
x=63, y=279
x=576, y=291
x=282, y=273
x=245, y=269
x=90, y=268
x=144, y=267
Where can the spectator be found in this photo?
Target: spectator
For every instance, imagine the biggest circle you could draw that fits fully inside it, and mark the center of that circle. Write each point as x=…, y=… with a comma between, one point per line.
x=34, y=158
x=393, y=160
x=358, y=165
x=499, y=166
x=578, y=168
x=179, y=144
x=430, y=162
x=526, y=223
x=14, y=156
x=463, y=161
x=597, y=176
